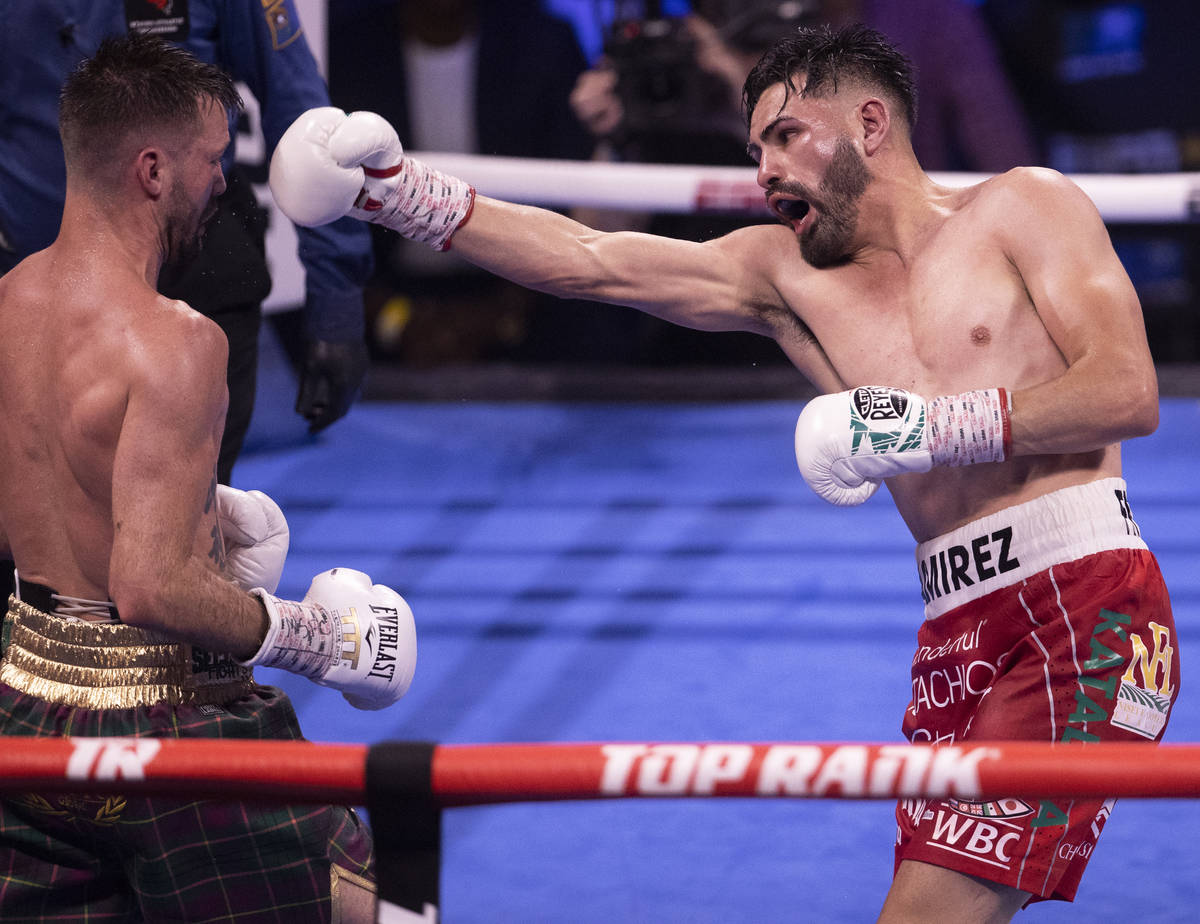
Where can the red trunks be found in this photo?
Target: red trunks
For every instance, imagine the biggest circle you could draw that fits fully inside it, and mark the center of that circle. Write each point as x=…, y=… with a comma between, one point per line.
x=1048, y=621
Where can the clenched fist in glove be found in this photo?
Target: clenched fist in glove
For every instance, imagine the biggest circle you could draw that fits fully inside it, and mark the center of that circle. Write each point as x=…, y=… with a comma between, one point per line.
x=849, y=442
x=346, y=633
x=329, y=164
x=256, y=537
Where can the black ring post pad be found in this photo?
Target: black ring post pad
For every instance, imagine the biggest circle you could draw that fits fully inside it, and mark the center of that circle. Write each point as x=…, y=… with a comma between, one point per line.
x=406, y=823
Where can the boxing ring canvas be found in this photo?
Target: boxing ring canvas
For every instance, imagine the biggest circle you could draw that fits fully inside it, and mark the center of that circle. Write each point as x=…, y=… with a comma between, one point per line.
x=641, y=571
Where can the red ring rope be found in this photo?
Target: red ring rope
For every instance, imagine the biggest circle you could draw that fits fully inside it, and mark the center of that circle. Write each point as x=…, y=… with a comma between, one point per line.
x=278, y=771
x=467, y=774
x=484, y=773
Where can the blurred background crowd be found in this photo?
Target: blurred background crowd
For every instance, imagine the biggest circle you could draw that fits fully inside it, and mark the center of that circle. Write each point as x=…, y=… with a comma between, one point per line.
x=1084, y=86
x=1100, y=86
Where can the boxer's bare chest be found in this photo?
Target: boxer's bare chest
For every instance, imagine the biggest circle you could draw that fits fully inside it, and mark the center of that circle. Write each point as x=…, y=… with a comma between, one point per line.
x=951, y=314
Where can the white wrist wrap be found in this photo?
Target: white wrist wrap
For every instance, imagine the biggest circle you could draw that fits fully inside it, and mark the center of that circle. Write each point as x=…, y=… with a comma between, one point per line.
x=427, y=205
x=304, y=638
x=971, y=427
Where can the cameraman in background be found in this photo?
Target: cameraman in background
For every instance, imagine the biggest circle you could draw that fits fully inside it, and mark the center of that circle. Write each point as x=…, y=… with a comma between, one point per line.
x=668, y=90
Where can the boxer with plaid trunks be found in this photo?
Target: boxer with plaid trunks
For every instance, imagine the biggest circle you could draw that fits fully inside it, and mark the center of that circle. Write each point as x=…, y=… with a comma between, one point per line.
x=1003, y=301
x=145, y=592
x=126, y=857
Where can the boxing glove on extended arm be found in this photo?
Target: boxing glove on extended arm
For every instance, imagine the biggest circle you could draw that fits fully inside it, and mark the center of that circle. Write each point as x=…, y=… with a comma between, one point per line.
x=256, y=537
x=309, y=186
x=325, y=153
x=346, y=633
x=847, y=443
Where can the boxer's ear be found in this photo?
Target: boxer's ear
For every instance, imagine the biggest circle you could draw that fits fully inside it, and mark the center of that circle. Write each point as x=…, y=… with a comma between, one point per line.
x=149, y=167
x=875, y=121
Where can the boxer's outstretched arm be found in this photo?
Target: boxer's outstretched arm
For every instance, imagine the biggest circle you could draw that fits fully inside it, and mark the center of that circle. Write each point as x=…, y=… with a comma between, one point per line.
x=725, y=284
x=1057, y=241
x=329, y=164
x=719, y=285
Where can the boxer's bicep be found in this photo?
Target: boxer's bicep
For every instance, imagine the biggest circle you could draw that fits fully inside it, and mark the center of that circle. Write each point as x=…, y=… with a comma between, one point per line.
x=1078, y=286
x=1090, y=310
x=707, y=286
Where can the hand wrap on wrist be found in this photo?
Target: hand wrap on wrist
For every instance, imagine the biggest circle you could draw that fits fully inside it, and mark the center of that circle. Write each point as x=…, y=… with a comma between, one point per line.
x=427, y=205
x=971, y=427
x=306, y=639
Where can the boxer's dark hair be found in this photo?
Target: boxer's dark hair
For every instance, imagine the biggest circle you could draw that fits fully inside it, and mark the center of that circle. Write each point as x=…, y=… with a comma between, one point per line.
x=823, y=57
x=136, y=82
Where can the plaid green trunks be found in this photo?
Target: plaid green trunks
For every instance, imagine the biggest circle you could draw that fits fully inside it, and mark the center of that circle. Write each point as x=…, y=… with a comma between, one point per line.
x=78, y=858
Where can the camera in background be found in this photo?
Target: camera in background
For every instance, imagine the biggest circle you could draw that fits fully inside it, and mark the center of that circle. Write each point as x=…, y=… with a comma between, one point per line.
x=663, y=89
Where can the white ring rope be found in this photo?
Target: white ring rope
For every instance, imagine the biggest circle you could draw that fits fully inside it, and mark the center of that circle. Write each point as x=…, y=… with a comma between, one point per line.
x=1141, y=198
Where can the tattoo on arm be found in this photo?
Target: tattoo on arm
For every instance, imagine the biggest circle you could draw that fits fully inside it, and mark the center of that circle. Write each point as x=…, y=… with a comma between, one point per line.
x=211, y=499
x=217, y=551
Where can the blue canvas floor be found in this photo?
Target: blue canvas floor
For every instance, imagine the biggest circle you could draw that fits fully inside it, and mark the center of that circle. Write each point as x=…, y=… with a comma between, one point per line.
x=661, y=572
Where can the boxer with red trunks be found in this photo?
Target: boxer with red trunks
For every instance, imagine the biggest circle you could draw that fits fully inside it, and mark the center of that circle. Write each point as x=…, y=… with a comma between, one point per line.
x=1000, y=309
x=1046, y=621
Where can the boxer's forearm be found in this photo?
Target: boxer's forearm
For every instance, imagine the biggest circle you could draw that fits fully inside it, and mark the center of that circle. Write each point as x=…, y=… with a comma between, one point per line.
x=1098, y=401
x=192, y=604
x=549, y=252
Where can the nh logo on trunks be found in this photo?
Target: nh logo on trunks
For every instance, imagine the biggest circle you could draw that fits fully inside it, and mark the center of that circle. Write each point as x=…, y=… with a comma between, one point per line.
x=111, y=758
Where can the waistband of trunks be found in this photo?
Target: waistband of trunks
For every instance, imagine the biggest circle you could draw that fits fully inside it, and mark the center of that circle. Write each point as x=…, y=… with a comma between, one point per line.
x=1013, y=544
x=43, y=598
x=110, y=665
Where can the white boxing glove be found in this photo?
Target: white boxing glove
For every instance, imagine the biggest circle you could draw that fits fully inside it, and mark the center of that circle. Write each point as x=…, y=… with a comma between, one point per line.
x=849, y=442
x=346, y=633
x=256, y=537
x=399, y=192
x=309, y=186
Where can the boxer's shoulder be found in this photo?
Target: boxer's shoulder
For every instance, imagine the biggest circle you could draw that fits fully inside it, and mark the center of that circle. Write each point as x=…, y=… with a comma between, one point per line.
x=1017, y=196
x=170, y=347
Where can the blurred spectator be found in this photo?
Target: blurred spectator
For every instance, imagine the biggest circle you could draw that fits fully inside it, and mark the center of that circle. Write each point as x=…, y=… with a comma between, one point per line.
x=969, y=116
x=462, y=76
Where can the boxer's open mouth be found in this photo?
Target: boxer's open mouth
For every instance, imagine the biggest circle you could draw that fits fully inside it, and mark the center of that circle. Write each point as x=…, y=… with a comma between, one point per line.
x=790, y=210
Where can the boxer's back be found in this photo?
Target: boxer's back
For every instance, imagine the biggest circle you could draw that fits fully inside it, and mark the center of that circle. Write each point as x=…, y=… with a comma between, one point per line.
x=76, y=332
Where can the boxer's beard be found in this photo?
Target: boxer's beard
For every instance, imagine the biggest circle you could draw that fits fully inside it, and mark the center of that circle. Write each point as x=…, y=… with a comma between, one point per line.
x=827, y=241
x=184, y=229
